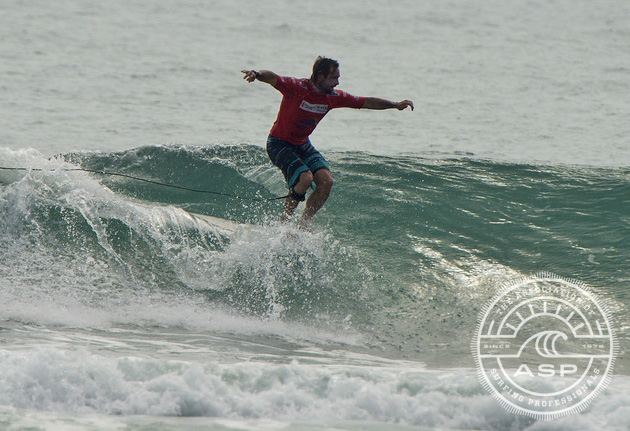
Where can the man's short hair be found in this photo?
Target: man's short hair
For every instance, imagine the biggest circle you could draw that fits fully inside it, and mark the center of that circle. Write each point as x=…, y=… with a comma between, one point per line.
x=323, y=66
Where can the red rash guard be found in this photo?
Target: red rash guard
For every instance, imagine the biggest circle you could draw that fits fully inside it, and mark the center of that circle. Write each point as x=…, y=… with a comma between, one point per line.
x=303, y=106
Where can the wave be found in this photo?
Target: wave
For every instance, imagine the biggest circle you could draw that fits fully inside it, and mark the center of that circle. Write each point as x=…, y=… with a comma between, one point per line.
x=405, y=251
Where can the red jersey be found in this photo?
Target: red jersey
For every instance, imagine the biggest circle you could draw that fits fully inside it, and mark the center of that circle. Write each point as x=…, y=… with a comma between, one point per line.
x=303, y=107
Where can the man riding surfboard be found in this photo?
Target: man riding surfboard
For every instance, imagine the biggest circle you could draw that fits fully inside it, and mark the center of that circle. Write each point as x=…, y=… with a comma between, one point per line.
x=304, y=103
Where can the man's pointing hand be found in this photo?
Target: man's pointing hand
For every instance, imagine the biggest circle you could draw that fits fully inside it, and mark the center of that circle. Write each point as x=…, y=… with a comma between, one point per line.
x=402, y=105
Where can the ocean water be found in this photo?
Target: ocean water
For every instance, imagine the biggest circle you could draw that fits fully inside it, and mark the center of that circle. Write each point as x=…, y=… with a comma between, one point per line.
x=119, y=310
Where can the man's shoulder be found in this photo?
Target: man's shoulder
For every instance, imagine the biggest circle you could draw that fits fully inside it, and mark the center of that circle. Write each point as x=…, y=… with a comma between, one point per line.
x=343, y=94
x=339, y=93
x=295, y=82
x=341, y=98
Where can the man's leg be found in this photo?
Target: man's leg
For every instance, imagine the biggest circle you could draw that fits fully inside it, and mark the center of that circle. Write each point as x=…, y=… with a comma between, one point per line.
x=324, y=182
x=290, y=204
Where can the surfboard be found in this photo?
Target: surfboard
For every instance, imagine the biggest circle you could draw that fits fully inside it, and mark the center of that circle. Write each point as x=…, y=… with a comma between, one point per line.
x=216, y=223
x=175, y=215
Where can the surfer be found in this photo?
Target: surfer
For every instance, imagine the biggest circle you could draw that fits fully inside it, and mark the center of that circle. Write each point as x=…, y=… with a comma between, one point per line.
x=304, y=103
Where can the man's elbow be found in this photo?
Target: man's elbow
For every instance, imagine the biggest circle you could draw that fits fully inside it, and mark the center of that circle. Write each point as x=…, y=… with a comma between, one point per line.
x=370, y=103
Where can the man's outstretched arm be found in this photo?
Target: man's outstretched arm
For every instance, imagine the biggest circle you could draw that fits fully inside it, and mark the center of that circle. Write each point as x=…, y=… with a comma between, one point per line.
x=376, y=103
x=263, y=75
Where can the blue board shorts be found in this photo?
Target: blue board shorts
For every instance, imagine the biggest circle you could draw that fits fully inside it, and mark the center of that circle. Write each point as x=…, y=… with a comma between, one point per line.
x=294, y=159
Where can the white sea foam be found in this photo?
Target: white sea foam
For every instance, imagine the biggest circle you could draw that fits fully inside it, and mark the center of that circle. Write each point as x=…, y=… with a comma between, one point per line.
x=78, y=382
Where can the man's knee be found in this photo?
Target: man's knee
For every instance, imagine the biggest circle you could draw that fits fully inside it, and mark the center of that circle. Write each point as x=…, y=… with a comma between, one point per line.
x=324, y=179
x=304, y=182
x=306, y=178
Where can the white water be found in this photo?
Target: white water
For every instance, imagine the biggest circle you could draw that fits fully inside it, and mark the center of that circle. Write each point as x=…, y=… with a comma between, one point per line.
x=83, y=376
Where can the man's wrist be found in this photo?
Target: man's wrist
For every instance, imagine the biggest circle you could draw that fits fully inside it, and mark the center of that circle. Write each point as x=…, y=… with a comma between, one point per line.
x=257, y=73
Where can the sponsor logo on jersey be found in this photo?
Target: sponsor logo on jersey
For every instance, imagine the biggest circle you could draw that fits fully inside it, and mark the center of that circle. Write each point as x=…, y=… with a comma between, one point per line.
x=307, y=123
x=314, y=107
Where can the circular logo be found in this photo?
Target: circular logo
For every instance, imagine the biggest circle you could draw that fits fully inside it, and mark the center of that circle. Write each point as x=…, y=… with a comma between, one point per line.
x=544, y=346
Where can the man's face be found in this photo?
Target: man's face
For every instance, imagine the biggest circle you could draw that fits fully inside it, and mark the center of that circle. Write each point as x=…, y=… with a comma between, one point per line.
x=326, y=84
